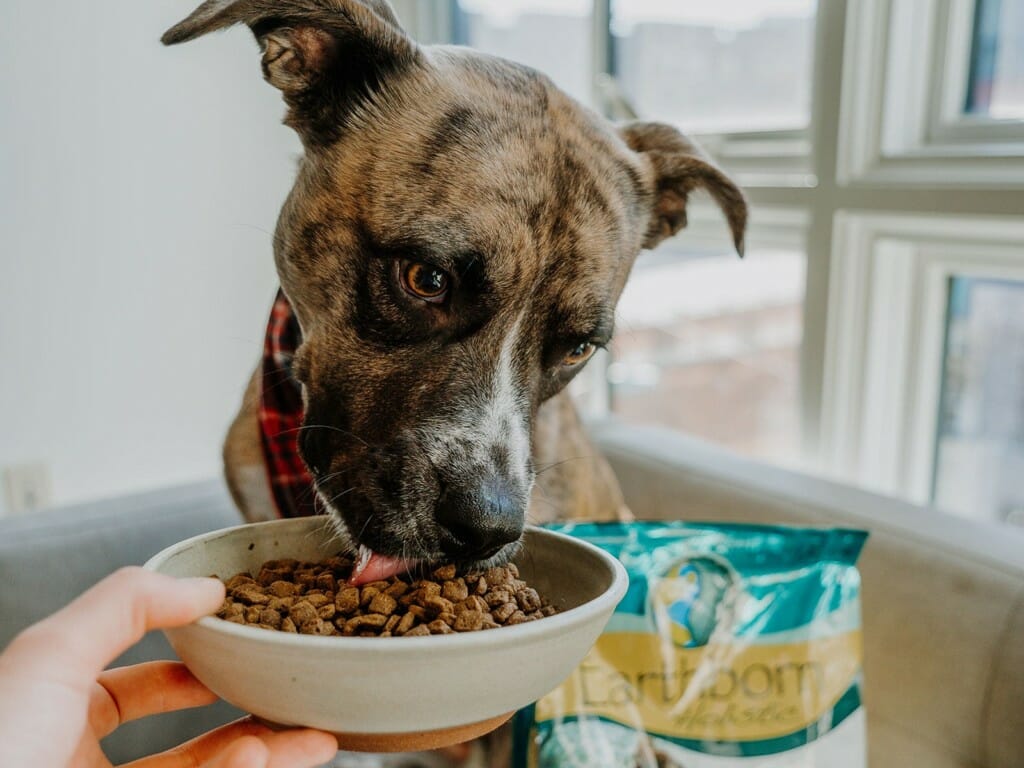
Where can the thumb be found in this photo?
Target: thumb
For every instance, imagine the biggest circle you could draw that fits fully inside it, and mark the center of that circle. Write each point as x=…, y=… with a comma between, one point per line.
x=246, y=752
x=97, y=627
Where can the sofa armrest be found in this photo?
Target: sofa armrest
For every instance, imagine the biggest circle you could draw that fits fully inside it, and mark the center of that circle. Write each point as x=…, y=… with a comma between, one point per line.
x=943, y=598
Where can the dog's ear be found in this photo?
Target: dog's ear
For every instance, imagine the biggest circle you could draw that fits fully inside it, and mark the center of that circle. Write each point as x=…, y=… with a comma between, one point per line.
x=324, y=55
x=680, y=166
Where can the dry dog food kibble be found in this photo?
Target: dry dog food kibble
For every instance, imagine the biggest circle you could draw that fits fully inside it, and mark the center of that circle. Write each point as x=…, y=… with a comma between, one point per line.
x=315, y=599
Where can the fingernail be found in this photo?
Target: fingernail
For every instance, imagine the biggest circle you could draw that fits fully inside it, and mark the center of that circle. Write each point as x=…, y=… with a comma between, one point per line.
x=204, y=582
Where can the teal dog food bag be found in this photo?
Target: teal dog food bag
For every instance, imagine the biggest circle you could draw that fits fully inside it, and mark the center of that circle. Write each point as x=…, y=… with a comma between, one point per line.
x=735, y=647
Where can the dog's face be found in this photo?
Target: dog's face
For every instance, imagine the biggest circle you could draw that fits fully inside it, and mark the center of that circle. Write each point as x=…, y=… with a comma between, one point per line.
x=455, y=244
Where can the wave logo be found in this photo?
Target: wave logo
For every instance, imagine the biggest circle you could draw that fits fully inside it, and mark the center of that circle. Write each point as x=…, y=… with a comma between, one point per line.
x=695, y=596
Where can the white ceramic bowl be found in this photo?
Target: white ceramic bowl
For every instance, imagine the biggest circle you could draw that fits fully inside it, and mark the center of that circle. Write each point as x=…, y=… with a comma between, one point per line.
x=429, y=690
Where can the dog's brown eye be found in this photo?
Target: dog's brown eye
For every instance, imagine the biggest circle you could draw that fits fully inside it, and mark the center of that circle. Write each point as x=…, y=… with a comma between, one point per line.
x=579, y=354
x=424, y=281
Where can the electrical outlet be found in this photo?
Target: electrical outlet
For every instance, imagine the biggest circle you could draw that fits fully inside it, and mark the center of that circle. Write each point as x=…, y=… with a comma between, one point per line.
x=27, y=488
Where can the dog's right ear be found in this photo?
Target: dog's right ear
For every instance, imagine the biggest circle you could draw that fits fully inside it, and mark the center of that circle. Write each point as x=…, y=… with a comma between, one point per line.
x=324, y=55
x=680, y=167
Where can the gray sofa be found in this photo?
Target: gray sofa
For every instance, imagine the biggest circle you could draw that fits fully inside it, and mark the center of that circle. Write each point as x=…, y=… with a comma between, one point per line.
x=943, y=598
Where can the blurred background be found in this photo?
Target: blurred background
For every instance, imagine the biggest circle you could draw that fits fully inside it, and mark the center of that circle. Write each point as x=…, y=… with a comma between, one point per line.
x=874, y=334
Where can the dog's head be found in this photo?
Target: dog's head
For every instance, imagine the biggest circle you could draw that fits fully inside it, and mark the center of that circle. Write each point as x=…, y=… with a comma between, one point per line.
x=454, y=247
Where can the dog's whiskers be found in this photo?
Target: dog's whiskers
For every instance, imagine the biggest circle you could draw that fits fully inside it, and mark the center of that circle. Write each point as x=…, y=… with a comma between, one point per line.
x=330, y=427
x=407, y=561
x=328, y=478
x=365, y=524
x=419, y=540
x=330, y=502
x=317, y=532
x=554, y=464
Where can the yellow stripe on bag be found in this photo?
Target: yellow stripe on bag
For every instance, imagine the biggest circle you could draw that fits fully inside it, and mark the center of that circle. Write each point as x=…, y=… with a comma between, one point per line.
x=727, y=692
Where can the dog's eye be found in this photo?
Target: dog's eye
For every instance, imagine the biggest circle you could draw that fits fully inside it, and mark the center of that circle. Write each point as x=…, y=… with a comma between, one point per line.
x=423, y=281
x=579, y=354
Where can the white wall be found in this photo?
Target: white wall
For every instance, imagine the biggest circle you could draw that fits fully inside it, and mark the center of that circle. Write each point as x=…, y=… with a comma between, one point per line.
x=139, y=186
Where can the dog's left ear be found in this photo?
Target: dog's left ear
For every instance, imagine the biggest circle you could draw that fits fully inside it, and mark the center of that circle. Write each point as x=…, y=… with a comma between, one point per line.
x=680, y=166
x=325, y=56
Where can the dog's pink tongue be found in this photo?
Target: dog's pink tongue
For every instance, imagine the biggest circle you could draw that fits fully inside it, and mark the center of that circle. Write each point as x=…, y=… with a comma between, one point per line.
x=376, y=567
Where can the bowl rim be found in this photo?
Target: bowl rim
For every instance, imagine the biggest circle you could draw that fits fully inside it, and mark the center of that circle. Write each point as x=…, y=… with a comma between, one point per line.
x=548, y=626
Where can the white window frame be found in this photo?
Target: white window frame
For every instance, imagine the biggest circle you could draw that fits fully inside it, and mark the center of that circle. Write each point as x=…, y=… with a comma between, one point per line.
x=886, y=338
x=770, y=226
x=903, y=123
x=947, y=122
x=764, y=158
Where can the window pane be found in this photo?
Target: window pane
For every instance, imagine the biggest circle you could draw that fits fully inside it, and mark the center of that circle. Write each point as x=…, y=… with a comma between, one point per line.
x=979, y=463
x=996, y=83
x=710, y=345
x=553, y=36
x=733, y=65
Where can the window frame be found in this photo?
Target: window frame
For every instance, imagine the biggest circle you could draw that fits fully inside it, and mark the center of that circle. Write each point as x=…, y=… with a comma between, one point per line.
x=948, y=123
x=886, y=335
x=903, y=121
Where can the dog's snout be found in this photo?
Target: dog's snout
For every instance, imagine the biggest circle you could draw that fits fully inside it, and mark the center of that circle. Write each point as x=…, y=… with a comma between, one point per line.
x=477, y=522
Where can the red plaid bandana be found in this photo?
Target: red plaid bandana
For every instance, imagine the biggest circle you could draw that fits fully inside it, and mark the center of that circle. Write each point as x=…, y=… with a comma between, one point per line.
x=281, y=415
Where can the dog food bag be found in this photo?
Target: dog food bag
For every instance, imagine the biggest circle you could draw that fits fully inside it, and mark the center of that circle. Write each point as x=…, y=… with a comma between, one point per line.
x=735, y=647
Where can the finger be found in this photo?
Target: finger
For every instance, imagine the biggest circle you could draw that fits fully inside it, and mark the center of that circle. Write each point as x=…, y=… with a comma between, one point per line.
x=247, y=752
x=285, y=749
x=128, y=693
x=97, y=627
x=300, y=748
x=203, y=749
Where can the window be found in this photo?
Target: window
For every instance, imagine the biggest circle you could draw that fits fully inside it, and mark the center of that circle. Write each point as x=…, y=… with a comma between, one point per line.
x=979, y=454
x=710, y=345
x=874, y=334
x=553, y=36
x=925, y=358
x=911, y=119
x=716, y=67
x=996, y=81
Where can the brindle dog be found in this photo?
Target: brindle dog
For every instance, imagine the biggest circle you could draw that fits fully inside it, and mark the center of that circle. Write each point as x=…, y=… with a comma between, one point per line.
x=454, y=248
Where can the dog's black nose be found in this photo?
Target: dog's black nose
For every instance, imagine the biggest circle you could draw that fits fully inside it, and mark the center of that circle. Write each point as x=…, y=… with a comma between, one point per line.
x=477, y=522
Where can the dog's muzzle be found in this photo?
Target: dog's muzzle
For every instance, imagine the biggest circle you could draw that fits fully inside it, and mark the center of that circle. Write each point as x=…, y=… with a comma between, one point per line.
x=473, y=525
x=476, y=522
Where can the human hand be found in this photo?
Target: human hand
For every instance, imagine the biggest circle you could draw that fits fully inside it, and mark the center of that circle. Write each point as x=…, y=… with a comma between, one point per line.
x=57, y=702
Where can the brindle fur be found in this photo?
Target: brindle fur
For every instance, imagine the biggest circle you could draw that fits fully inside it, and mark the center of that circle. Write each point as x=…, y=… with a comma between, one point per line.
x=535, y=204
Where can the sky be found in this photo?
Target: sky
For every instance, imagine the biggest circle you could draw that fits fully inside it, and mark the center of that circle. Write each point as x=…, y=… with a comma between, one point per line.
x=733, y=14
